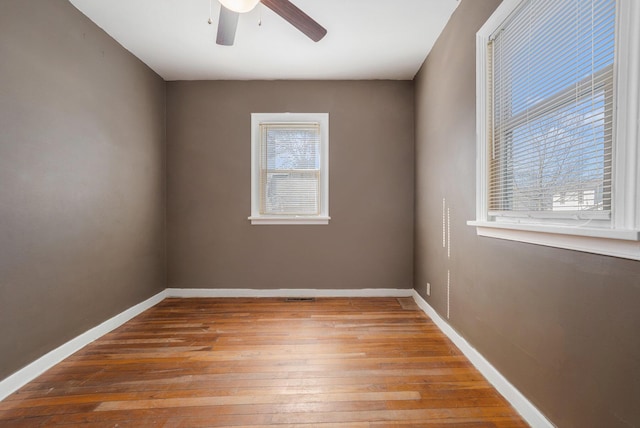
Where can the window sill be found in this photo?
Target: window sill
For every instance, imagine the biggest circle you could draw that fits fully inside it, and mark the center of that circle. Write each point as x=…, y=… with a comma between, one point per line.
x=616, y=243
x=299, y=220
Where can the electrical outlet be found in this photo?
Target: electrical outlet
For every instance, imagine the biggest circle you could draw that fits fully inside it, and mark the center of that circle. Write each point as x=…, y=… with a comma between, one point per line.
x=428, y=289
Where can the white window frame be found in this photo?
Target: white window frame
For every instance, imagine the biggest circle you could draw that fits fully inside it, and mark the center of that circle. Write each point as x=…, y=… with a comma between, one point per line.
x=621, y=236
x=268, y=219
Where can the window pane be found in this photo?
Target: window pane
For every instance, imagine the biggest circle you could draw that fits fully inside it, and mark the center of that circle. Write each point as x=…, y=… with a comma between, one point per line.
x=561, y=45
x=292, y=193
x=558, y=160
x=293, y=148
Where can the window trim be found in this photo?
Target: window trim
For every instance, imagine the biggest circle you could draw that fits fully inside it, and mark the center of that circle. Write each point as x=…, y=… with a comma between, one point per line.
x=265, y=219
x=622, y=238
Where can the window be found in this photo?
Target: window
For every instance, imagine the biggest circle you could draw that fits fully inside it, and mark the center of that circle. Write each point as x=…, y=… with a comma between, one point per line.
x=557, y=116
x=289, y=168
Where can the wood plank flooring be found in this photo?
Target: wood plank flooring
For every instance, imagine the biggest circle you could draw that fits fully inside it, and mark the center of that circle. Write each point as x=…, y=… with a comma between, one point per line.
x=343, y=362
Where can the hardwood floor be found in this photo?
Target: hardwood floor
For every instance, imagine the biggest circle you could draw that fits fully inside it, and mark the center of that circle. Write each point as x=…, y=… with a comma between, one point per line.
x=343, y=362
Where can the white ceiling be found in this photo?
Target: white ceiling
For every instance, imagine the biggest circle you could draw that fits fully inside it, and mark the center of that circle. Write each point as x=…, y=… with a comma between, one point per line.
x=366, y=39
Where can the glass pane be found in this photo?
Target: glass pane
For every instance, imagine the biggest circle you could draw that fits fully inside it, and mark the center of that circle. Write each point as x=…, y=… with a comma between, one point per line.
x=553, y=50
x=293, y=149
x=292, y=193
x=558, y=161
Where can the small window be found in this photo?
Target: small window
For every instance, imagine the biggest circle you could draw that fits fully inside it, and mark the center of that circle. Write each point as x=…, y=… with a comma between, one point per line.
x=289, y=168
x=557, y=138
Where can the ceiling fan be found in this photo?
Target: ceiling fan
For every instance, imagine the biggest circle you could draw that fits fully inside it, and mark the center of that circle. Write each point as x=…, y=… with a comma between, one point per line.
x=230, y=11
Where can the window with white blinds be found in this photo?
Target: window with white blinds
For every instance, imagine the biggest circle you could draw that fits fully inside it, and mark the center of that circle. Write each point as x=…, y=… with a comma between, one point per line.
x=289, y=168
x=551, y=73
x=557, y=107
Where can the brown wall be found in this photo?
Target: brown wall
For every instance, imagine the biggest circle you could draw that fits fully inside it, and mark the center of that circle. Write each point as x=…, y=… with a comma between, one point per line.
x=562, y=326
x=81, y=178
x=369, y=241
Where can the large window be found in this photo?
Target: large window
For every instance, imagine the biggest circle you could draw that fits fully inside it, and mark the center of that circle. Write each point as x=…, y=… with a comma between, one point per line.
x=552, y=110
x=557, y=124
x=290, y=168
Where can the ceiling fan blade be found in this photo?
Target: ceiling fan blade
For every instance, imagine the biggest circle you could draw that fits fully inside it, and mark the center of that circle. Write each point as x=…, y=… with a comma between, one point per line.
x=227, y=24
x=292, y=14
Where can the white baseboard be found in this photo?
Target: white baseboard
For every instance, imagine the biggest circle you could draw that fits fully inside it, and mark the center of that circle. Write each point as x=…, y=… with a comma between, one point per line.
x=527, y=410
x=44, y=363
x=293, y=292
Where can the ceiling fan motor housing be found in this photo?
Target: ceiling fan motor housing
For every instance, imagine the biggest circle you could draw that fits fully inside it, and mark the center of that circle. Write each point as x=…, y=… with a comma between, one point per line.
x=240, y=6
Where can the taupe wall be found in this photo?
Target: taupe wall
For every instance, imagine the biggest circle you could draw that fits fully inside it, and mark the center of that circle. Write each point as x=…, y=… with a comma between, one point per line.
x=562, y=326
x=369, y=241
x=81, y=178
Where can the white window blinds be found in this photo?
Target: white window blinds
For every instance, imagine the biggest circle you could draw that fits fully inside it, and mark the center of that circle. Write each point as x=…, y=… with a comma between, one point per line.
x=290, y=168
x=551, y=109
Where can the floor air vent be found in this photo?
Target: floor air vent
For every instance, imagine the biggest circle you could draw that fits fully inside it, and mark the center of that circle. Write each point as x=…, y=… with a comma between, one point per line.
x=300, y=299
